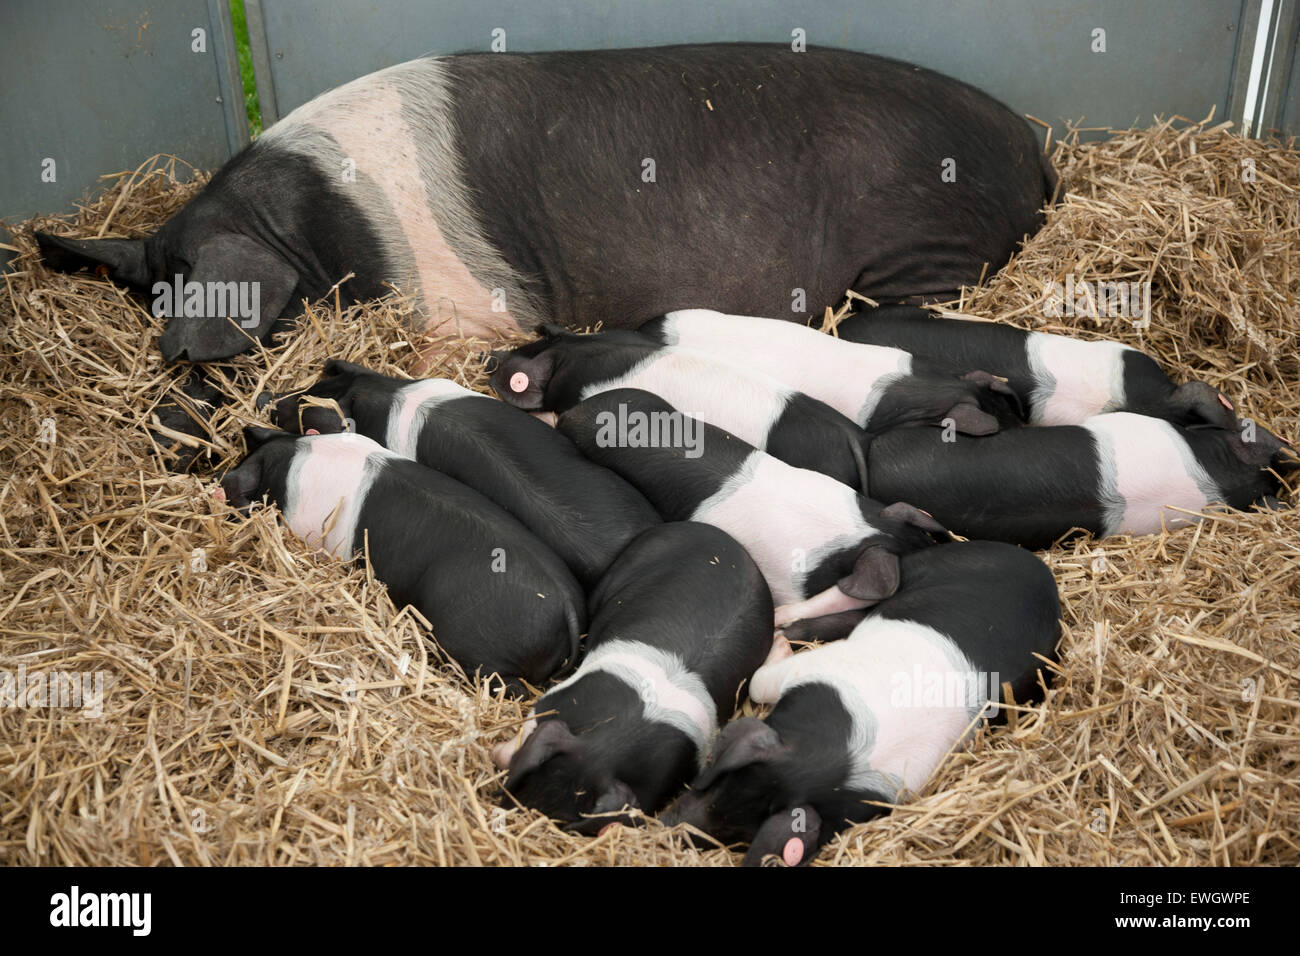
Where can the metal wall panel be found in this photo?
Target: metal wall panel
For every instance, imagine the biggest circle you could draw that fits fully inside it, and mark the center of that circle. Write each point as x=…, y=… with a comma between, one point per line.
x=1035, y=55
x=99, y=87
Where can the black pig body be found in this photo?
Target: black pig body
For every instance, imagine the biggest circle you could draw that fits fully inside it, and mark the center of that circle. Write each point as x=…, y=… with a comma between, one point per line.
x=681, y=620
x=585, y=513
x=499, y=601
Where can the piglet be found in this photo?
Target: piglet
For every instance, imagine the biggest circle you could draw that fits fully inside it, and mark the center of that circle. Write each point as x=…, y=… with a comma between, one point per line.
x=678, y=624
x=1059, y=379
x=862, y=721
x=563, y=368
x=585, y=513
x=500, y=602
x=879, y=388
x=814, y=538
x=1118, y=473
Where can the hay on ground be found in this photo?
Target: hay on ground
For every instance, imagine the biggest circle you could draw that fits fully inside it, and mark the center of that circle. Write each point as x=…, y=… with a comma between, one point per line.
x=264, y=705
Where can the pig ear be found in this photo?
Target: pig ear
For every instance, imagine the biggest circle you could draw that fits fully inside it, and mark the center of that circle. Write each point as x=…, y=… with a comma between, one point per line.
x=1264, y=450
x=969, y=419
x=995, y=384
x=1201, y=403
x=124, y=258
x=243, y=483
x=255, y=437
x=902, y=511
x=522, y=381
x=742, y=743
x=792, y=835
x=615, y=797
x=339, y=367
x=227, y=258
x=550, y=738
x=321, y=419
x=874, y=576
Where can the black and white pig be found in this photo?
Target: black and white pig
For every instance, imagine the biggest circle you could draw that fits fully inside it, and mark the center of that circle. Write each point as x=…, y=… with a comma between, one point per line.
x=680, y=622
x=864, y=720
x=878, y=387
x=562, y=368
x=1059, y=380
x=499, y=601
x=815, y=539
x=505, y=190
x=1115, y=474
x=585, y=513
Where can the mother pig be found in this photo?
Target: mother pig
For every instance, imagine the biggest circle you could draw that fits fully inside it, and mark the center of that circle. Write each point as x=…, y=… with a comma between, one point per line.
x=507, y=190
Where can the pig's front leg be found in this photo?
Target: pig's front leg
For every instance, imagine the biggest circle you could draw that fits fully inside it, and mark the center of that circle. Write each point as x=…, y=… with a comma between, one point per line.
x=830, y=601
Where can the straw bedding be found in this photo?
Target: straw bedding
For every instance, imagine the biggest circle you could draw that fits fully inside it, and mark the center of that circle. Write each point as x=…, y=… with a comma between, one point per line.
x=263, y=705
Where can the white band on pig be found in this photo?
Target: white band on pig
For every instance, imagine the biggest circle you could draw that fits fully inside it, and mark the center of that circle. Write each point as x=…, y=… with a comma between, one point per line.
x=1073, y=379
x=670, y=693
x=327, y=484
x=396, y=128
x=412, y=405
x=1145, y=465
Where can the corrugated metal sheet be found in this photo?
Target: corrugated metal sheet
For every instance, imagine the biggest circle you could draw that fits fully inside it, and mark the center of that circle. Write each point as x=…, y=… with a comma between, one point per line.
x=100, y=87
x=1035, y=55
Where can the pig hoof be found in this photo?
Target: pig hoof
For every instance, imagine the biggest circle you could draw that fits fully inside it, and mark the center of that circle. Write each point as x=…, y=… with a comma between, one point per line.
x=781, y=649
x=607, y=827
x=548, y=418
x=501, y=755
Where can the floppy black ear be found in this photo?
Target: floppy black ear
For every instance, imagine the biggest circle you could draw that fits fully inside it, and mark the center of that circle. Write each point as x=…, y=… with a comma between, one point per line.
x=222, y=259
x=522, y=380
x=243, y=484
x=339, y=367
x=550, y=738
x=615, y=796
x=744, y=741
x=323, y=419
x=255, y=437
x=1195, y=403
x=124, y=258
x=874, y=577
x=969, y=419
x=910, y=514
x=793, y=835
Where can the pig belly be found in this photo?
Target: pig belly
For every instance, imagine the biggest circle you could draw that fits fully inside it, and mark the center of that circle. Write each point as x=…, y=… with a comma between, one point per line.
x=1146, y=468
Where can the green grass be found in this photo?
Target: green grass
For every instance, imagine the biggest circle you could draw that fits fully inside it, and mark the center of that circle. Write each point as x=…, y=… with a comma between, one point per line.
x=251, y=106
